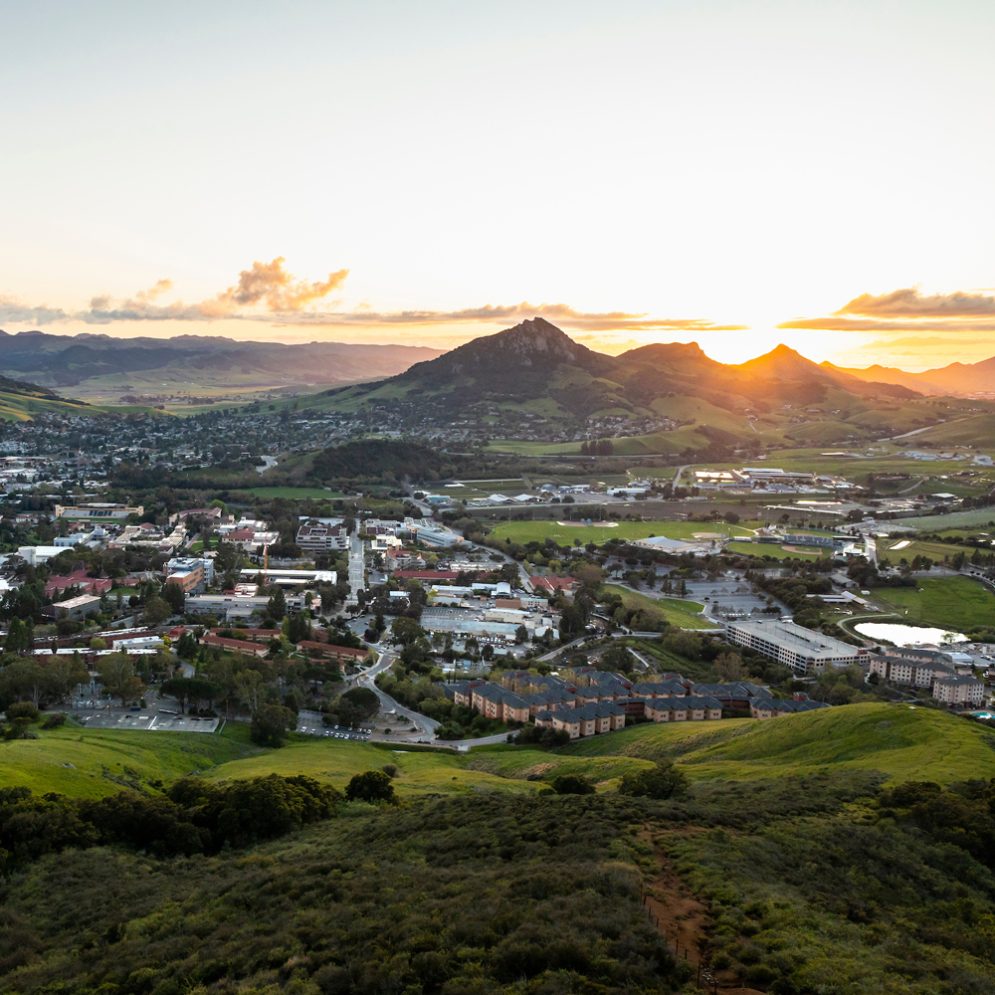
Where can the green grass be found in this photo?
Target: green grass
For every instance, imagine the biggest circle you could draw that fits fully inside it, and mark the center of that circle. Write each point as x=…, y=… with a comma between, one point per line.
x=291, y=493
x=774, y=551
x=599, y=533
x=335, y=761
x=675, y=611
x=92, y=763
x=950, y=602
x=904, y=743
x=980, y=517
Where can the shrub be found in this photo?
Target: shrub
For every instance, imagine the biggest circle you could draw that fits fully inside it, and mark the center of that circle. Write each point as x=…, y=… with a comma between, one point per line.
x=572, y=784
x=22, y=710
x=54, y=720
x=372, y=786
x=662, y=781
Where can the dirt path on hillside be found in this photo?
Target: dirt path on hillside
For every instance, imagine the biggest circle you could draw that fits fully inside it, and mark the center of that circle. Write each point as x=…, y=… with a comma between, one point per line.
x=683, y=920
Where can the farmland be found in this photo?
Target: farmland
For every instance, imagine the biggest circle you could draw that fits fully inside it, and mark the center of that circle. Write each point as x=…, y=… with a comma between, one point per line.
x=601, y=532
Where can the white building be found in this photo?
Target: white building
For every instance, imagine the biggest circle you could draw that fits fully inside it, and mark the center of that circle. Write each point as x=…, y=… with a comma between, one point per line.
x=803, y=650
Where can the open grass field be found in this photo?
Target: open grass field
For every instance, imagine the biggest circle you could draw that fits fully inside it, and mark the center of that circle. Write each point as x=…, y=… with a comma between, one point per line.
x=909, y=548
x=675, y=611
x=775, y=551
x=974, y=517
x=950, y=602
x=598, y=533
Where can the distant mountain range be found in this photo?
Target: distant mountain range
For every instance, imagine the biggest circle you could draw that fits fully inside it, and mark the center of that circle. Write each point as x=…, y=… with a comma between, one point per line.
x=103, y=364
x=533, y=379
x=955, y=380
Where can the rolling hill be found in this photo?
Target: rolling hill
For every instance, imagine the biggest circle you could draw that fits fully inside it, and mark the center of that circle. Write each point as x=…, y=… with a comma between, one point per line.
x=20, y=401
x=955, y=379
x=105, y=367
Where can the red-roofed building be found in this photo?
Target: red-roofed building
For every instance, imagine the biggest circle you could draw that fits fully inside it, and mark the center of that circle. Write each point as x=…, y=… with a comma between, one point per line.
x=235, y=645
x=426, y=574
x=552, y=584
x=332, y=653
x=86, y=585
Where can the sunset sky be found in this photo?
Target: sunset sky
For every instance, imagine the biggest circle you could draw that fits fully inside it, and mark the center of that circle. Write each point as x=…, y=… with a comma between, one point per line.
x=736, y=173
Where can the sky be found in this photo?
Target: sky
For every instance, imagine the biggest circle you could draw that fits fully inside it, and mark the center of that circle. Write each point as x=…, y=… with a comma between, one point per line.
x=733, y=173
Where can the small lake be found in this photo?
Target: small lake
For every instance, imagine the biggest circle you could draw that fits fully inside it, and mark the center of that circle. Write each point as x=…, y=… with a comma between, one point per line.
x=907, y=635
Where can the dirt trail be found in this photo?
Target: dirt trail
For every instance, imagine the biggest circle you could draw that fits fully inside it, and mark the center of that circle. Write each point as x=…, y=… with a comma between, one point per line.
x=683, y=920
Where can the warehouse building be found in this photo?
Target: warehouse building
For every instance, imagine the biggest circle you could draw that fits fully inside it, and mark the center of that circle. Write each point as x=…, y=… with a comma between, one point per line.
x=803, y=650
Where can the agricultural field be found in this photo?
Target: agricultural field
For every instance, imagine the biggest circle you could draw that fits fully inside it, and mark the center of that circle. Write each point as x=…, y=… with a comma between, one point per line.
x=896, y=549
x=973, y=517
x=600, y=532
x=949, y=602
x=675, y=611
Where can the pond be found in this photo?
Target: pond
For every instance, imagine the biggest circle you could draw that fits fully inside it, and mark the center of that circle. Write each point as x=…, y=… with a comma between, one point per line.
x=908, y=635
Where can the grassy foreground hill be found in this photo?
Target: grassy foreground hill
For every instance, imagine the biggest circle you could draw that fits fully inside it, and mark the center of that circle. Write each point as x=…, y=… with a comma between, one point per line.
x=786, y=868
x=896, y=742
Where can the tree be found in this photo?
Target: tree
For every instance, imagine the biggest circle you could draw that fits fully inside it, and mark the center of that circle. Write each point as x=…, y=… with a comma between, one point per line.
x=521, y=635
x=173, y=595
x=157, y=610
x=372, y=786
x=270, y=725
x=117, y=675
x=662, y=781
x=572, y=784
x=276, y=607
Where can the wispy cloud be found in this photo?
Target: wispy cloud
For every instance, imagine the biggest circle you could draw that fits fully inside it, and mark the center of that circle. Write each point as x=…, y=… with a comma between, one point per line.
x=13, y=310
x=908, y=310
x=266, y=292
x=910, y=303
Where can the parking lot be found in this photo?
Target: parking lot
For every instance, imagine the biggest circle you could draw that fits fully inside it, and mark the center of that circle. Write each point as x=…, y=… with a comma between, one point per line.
x=728, y=598
x=310, y=724
x=146, y=721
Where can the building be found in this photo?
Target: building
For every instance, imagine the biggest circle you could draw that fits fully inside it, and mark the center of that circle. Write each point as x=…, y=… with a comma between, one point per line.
x=803, y=650
x=79, y=579
x=585, y=720
x=76, y=608
x=959, y=691
x=181, y=564
x=99, y=512
x=242, y=646
x=331, y=653
x=189, y=579
x=314, y=536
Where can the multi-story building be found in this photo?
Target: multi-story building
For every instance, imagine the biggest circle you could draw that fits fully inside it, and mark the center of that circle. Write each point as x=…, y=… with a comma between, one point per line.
x=959, y=691
x=314, y=536
x=803, y=650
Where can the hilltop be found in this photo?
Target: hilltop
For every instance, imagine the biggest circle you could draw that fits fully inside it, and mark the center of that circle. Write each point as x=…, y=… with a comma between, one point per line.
x=533, y=380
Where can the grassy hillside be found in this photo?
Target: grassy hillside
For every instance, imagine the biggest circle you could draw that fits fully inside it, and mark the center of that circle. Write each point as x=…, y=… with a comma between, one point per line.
x=91, y=763
x=903, y=743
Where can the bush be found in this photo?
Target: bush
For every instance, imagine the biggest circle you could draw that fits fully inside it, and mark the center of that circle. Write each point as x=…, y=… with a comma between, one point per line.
x=54, y=720
x=373, y=786
x=22, y=710
x=662, y=781
x=572, y=784
x=390, y=770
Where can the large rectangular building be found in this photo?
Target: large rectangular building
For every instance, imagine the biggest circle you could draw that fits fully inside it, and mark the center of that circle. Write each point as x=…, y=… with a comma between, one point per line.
x=803, y=650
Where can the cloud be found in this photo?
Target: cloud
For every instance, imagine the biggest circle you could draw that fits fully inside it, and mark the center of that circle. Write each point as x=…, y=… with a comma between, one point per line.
x=12, y=310
x=909, y=303
x=908, y=310
x=266, y=292
x=561, y=314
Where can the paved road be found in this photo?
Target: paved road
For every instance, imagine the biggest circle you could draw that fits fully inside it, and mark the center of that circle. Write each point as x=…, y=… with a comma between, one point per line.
x=357, y=568
x=425, y=725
